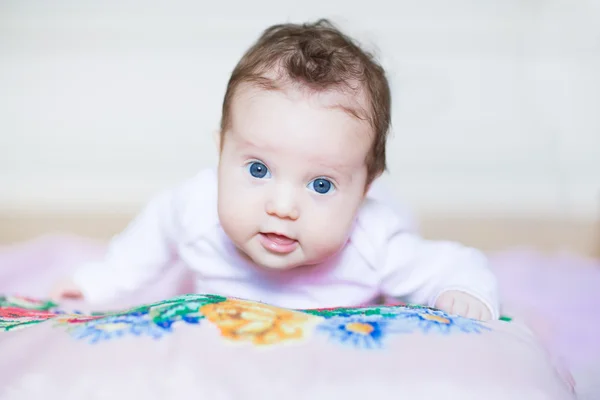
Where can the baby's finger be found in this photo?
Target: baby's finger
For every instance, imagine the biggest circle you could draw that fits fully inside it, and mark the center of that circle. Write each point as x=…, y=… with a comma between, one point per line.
x=475, y=311
x=479, y=312
x=460, y=307
x=72, y=294
x=486, y=315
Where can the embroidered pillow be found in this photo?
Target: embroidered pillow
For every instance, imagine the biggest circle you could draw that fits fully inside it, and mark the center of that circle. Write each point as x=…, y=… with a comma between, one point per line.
x=212, y=347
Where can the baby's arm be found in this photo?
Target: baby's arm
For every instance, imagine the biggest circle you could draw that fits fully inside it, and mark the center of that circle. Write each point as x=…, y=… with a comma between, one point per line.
x=134, y=256
x=445, y=275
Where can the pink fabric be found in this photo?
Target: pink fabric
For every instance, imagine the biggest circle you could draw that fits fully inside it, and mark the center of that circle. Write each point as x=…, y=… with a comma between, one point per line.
x=32, y=267
x=557, y=295
x=195, y=361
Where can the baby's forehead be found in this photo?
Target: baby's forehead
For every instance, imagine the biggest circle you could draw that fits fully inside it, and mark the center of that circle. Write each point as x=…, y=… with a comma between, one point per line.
x=261, y=118
x=349, y=97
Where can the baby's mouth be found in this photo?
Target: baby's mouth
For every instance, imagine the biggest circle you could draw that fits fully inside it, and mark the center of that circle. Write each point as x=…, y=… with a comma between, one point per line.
x=277, y=238
x=277, y=243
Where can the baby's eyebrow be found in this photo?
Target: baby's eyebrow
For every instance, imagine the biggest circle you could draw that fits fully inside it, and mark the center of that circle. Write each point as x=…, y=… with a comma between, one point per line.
x=340, y=169
x=242, y=142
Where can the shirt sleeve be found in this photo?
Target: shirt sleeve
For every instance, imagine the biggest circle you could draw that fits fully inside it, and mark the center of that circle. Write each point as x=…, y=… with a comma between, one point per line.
x=420, y=270
x=146, y=247
x=134, y=256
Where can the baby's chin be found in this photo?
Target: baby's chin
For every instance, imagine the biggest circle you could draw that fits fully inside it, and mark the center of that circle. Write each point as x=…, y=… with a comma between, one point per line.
x=277, y=262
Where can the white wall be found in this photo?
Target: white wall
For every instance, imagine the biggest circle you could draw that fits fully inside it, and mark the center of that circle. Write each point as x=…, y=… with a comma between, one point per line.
x=495, y=101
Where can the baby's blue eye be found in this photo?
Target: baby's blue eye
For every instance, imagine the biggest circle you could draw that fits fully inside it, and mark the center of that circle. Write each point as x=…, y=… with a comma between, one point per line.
x=321, y=186
x=258, y=170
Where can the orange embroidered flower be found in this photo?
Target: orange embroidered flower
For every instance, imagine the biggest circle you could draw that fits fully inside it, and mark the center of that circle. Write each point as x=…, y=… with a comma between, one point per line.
x=258, y=323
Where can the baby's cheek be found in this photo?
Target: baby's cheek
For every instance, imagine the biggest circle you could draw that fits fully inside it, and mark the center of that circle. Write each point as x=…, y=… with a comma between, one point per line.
x=236, y=217
x=324, y=241
x=237, y=199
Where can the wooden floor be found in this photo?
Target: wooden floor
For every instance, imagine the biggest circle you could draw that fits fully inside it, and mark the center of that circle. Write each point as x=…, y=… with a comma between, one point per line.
x=490, y=234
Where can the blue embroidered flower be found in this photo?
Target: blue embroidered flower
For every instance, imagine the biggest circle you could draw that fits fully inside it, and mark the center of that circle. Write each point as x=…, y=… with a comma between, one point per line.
x=366, y=332
x=432, y=320
x=117, y=326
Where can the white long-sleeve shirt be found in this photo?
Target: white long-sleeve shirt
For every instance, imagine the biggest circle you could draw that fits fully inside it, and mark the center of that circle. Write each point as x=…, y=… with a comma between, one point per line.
x=382, y=257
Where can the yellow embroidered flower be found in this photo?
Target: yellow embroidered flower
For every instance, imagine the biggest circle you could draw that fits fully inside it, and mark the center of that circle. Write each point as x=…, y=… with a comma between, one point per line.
x=360, y=328
x=436, y=318
x=258, y=323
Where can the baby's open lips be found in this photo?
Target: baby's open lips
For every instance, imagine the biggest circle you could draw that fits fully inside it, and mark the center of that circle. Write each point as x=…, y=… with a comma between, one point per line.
x=278, y=238
x=277, y=243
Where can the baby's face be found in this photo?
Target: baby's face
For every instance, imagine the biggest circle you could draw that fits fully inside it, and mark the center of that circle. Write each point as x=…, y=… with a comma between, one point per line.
x=292, y=175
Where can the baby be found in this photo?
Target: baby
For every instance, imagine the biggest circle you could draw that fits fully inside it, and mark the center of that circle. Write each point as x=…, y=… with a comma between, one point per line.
x=289, y=216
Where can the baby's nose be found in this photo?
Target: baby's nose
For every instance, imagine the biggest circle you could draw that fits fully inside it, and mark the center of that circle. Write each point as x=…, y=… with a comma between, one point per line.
x=283, y=204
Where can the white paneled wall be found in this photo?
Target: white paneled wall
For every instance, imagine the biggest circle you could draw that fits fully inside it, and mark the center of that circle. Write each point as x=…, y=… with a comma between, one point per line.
x=496, y=102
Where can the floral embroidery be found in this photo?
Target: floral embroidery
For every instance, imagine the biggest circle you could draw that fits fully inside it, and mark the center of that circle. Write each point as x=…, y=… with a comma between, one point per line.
x=15, y=317
x=9, y=325
x=26, y=302
x=75, y=318
x=366, y=332
x=184, y=308
x=105, y=328
x=239, y=320
x=431, y=320
x=153, y=320
x=17, y=312
x=368, y=327
x=260, y=324
x=350, y=311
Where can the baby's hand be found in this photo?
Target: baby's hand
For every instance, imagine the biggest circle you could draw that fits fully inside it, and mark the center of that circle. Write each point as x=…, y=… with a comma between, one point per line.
x=65, y=289
x=463, y=304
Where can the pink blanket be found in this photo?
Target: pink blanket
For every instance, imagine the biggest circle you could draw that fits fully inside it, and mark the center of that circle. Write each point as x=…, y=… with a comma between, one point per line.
x=556, y=294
